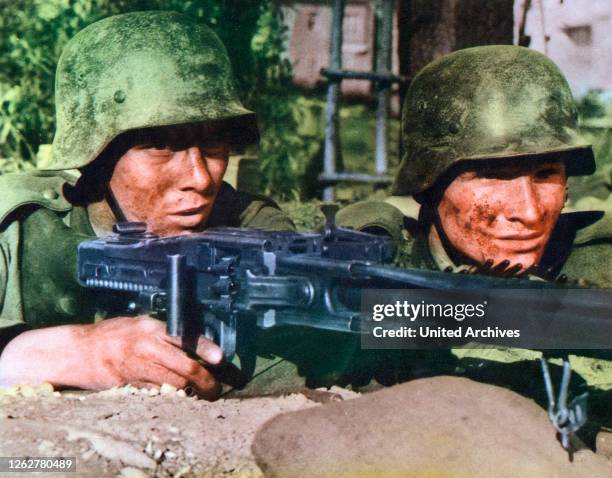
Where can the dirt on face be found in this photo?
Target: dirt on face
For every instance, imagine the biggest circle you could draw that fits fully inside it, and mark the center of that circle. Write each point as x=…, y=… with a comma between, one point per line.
x=136, y=433
x=172, y=183
x=506, y=213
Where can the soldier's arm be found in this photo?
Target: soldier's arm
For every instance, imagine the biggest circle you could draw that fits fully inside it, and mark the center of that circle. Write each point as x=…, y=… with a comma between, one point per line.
x=114, y=352
x=375, y=217
x=11, y=318
x=111, y=353
x=395, y=217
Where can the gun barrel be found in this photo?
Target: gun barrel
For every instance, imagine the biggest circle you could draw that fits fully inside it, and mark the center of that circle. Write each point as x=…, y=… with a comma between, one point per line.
x=412, y=278
x=418, y=278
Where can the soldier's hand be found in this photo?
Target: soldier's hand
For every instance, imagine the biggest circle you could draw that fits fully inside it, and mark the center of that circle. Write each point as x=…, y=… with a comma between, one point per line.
x=114, y=352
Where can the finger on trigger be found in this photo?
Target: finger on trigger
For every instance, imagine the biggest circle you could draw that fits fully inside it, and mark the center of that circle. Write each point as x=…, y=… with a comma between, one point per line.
x=205, y=348
x=210, y=352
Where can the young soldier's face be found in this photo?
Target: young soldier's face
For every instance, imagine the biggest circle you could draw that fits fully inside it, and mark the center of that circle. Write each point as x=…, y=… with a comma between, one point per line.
x=504, y=212
x=170, y=183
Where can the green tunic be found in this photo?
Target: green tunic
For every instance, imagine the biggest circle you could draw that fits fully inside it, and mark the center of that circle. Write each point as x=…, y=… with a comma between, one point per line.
x=39, y=233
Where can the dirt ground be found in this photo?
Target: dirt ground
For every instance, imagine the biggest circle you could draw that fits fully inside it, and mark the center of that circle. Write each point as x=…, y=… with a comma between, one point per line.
x=135, y=433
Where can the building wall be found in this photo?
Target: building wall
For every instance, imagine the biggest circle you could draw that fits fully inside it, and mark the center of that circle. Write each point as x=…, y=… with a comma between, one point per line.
x=575, y=34
x=310, y=32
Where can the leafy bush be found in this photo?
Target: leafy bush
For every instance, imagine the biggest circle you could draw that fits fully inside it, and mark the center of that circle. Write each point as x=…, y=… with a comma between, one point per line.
x=282, y=149
x=595, y=120
x=306, y=215
x=595, y=113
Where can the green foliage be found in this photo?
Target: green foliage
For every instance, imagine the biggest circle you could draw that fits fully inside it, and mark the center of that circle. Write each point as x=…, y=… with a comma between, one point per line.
x=306, y=215
x=591, y=106
x=595, y=120
x=33, y=33
x=595, y=113
x=275, y=102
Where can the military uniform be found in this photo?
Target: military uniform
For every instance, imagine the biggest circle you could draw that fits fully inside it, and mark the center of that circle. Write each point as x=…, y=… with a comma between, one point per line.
x=39, y=234
x=117, y=77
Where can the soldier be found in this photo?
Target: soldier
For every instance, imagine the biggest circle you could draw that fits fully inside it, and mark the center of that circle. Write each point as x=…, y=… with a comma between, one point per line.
x=489, y=138
x=146, y=117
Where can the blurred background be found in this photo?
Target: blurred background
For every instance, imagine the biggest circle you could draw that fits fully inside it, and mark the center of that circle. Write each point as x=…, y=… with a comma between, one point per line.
x=279, y=48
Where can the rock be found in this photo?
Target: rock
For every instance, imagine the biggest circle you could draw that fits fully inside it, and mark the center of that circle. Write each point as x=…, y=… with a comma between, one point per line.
x=166, y=388
x=112, y=449
x=87, y=455
x=129, y=472
x=10, y=391
x=183, y=471
x=435, y=427
x=27, y=391
x=603, y=444
x=45, y=389
x=46, y=447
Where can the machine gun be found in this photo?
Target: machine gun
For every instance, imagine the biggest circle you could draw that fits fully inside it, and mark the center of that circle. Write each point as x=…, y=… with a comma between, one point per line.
x=224, y=278
x=224, y=281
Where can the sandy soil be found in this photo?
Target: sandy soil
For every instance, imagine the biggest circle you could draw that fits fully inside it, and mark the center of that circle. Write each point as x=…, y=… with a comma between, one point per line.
x=137, y=433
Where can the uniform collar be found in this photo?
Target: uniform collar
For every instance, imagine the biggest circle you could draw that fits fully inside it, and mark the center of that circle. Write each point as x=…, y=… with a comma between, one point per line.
x=80, y=222
x=440, y=257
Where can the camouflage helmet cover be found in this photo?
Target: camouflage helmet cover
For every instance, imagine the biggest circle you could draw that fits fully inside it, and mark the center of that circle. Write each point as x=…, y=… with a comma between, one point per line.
x=141, y=70
x=483, y=103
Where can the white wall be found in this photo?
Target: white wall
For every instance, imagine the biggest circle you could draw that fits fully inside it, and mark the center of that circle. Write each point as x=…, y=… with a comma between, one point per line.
x=579, y=39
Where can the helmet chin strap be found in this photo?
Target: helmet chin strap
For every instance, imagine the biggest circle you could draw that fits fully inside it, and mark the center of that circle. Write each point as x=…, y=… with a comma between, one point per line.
x=114, y=205
x=456, y=257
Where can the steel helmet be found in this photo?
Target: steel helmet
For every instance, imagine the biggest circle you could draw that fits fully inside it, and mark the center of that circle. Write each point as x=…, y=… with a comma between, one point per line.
x=141, y=70
x=483, y=103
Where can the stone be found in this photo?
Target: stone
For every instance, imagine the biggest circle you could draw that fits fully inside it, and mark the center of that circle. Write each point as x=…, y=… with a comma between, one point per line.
x=435, y=427
x=603, y=444
x=129, y=472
